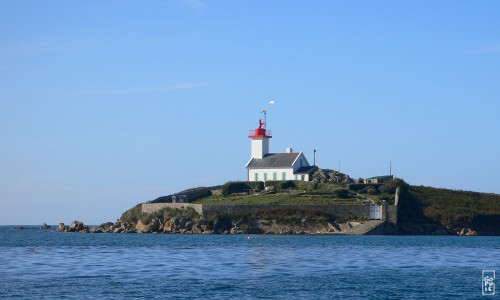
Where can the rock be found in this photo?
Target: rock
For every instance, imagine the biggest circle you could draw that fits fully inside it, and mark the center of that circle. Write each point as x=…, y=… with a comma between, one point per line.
x=76, y=226
x=84, y=230
x=147, y=229
x=96, y=229
x=174, y=221
x=254, y=230
x=45, y=226
x=183, y=221
x=206, y=227
x=139, y=226
x=189, y=225
x=236, y=230
x=107, y=227
x=118, y=230
x=62, y=228
x=155, y=224
x=166, y=226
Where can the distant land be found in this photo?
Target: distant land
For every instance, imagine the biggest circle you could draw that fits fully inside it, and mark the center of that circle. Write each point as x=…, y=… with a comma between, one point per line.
x=331, y=203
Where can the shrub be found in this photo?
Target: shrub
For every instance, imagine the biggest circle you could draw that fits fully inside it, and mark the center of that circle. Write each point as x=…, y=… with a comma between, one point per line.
x=191, y=195
x=390, y=186
x=356, y=186
x=287, y=184
x=305, y=185
x=241, y=187
x=256, y=185
x=341, y=193
x=275, y=184
x=371, y=190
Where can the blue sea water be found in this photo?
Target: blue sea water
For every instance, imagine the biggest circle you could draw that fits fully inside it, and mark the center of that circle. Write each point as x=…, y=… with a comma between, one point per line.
x=44, y=264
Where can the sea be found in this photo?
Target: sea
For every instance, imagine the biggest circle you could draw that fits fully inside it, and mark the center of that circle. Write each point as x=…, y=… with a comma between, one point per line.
x=44, y=264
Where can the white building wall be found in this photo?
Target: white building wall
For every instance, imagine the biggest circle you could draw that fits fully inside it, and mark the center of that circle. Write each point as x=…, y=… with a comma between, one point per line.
x=288, y=173
x=260, y=147
x=297, y=165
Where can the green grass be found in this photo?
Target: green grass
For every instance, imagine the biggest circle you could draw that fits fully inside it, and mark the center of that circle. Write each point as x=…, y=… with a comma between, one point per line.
x=451, y=208
x=295, y=197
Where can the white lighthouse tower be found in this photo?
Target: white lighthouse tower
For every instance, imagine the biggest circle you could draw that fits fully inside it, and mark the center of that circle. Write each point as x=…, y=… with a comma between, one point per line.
x=260, y=140
x=264, y=166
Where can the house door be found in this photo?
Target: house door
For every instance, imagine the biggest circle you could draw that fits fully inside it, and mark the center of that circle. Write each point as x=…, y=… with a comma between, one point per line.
x=376, y=212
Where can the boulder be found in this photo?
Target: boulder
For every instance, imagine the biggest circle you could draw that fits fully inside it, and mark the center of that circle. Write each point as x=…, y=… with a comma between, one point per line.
x=236, y=230
x=189, y=225
x=45, y=226
x=96, y=229
x=183, y=221
x=155, y=224
x=62, y=228
x=174, y=221
x=85, y=229
x=139, y=226
x=76, y=226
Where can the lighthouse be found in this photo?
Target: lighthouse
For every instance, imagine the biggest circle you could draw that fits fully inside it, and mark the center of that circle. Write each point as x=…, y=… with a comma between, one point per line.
x=264, y=166
x=260, y=140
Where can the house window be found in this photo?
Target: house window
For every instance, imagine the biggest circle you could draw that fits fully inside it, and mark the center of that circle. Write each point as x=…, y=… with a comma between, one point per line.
x=295, y=176
x=256, y=177
x=302, y=177
x=283, y=176
x=265, y=176
x=274, y=176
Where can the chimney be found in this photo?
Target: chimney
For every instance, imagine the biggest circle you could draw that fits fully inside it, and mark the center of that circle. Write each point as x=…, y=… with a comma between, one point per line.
x=289, y=150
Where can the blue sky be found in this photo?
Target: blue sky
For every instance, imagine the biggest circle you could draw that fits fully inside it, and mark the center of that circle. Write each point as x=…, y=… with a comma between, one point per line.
x=105, y=104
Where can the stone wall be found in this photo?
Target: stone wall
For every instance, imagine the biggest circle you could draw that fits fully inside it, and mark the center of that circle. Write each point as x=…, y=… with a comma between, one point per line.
x=351, y=211
x=392, y=213
x=354, y=211
x=152, y=207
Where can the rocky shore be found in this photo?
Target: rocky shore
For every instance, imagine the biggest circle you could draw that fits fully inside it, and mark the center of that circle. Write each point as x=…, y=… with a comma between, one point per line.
x=186, y=225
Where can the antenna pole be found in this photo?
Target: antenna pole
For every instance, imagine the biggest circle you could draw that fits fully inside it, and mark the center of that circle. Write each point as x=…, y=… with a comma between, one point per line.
x=265, y=119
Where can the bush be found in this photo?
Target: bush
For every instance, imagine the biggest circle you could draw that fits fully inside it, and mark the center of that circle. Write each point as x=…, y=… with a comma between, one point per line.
x=191, y=195
x=132, y=215
x=356, y=186
x=305, y=185
x=256, y=185
x=390, y=186
x=241, y=187
x=371, y=190
x=275, y=184
x=287, y=184
x=341, y=193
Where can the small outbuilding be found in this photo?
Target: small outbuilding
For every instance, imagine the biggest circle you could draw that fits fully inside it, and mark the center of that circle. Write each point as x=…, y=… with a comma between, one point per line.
x=379, y=179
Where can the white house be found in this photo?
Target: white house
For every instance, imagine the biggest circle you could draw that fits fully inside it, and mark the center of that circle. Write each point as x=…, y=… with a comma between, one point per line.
x=265, y=166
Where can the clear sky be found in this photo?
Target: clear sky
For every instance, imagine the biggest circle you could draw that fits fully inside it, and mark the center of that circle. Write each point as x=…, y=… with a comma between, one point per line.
x=105, y=104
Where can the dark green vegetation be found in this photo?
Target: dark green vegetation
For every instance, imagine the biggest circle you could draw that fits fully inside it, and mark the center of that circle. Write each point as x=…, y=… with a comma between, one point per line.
x=135, y=214
x=379, y=191
x=282, y=192
x=451, y=209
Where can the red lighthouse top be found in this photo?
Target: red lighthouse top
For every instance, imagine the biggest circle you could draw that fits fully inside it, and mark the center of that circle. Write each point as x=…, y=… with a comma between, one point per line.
x=260, y=132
